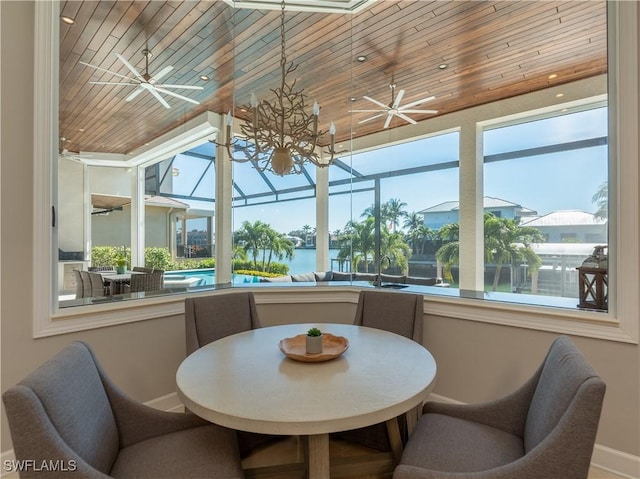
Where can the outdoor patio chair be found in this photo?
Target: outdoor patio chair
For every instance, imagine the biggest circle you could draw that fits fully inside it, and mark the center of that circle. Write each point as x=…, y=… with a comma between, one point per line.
x=545, y=429
x=399, y=313
x=92, y=284
x=146, y=282
x=69, y=413
x=79, y=286
x=142, y=269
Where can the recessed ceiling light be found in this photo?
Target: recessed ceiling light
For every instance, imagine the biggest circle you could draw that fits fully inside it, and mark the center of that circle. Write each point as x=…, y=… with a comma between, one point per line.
x=204, y=78
x=68, y=20
x=442, y=66
x=81, y=130
x=559, y=95
x=553, y=76
x=361, y=58
x=353, y=98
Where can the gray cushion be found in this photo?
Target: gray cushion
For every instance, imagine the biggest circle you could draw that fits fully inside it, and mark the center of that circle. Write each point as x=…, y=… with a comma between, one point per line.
x=277, y=279
x=392, y=278
x=209, y=318
x=422, y=281
x=323, y=275
x=192, y=453
x=442, y=438
x=303, y=278
x=71, y=392
x=339, y=276
x=365, y=277
x=565, y=370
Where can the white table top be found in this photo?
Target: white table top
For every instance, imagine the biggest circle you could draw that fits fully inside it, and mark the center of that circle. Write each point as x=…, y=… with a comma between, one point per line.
x=245, y=382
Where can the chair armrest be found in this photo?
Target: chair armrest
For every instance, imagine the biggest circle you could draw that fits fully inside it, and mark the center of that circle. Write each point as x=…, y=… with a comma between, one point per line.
x=137, y=422
x=508, y=413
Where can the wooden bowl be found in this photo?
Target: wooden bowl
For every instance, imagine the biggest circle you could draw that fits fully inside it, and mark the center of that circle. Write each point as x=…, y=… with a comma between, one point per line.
x=296, y=348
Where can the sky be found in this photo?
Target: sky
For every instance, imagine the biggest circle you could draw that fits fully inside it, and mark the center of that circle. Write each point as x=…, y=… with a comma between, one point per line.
x=544, y=183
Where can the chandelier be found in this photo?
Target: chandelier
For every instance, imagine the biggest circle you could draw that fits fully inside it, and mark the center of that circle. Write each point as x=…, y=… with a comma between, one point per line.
x=281, y=136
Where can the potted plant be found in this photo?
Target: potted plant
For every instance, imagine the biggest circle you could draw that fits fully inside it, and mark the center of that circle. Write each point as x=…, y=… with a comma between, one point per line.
x=314, y=341
x=121, y=261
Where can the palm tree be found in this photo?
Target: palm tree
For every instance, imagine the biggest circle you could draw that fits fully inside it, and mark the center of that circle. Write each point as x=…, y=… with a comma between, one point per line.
x=358, y=243
x=393, y=210
x=393, y=246
x=601, y=198
x=505, y=240
x=252, y=238
x=278, y=244
x=413, y=222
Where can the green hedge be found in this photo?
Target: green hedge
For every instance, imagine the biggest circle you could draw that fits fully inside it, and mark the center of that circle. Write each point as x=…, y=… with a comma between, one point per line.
x=157, y=258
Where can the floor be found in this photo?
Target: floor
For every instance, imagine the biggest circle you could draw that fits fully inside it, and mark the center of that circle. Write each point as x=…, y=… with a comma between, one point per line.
x=263, y=462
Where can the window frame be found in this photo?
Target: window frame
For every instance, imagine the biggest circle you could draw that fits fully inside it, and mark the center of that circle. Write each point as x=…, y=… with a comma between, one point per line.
x=620, y=324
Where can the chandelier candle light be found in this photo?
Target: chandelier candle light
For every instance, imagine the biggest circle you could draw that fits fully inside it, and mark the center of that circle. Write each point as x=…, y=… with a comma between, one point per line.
x=281, y=136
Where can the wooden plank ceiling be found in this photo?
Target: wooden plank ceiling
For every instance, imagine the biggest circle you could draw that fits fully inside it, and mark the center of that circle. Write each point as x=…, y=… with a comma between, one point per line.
x=492, y=49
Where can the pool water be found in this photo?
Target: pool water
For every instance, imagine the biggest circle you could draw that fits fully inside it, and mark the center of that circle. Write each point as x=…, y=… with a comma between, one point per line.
x=207, y=276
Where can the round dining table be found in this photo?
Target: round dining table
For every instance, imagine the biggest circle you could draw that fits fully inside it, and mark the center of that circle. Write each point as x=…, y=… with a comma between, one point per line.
x=245, y=382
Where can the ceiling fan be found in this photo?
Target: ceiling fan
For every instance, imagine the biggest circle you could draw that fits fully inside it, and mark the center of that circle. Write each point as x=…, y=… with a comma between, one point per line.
x=394, y=108
x=145, y=81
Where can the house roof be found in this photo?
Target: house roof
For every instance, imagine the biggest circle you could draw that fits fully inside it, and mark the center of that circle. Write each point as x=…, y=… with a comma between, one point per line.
x=566, y=217
x=488, y=202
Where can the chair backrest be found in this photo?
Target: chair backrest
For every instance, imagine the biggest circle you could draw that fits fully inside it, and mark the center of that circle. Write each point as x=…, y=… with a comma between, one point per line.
x=142, y=269
x=567, y=385
x=86, y=284
x=399, y=313
x=102, y=268
x=208, y=318
x=97, y=284
x=79, y=286
x=63, y=405
x=147, y=281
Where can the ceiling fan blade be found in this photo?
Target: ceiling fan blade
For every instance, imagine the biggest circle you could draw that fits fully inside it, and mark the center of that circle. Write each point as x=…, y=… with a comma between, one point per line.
x=398, y=99
x=431, y=112
x=186, y=87
x=376, y=102
x=153, y=91
x=111, y=83
x=388, y=120
x=155, y=78
x=418, y=102
x=371, y=118
x=105, y=70
x=135, y=93
x=130, y=67
x=366, y=111
x=167, y=92
x=406, y=118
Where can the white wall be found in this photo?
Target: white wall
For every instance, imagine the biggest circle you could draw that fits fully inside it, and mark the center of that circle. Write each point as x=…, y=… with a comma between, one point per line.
x=71, y=206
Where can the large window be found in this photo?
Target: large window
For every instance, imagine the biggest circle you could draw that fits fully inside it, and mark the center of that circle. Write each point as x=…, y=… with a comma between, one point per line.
x=546, y=202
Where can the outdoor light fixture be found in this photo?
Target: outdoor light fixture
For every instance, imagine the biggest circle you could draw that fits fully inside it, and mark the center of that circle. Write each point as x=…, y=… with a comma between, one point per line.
x=280, y=136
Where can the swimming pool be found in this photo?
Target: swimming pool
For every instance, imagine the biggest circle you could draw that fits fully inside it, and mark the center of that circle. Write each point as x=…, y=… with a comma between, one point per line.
x=202, y=277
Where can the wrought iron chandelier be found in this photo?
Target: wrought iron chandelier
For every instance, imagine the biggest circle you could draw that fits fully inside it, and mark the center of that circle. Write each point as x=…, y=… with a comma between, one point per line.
x=281, y=136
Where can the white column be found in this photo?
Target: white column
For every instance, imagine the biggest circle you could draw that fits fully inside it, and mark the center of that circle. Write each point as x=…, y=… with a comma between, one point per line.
x=223, y=214
x=137, y=216
x=322, y=219
x=471, y=208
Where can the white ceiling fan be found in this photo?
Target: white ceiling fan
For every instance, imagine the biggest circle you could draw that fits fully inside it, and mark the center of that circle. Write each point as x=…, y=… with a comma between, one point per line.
x=145, y=81
x=394, y=108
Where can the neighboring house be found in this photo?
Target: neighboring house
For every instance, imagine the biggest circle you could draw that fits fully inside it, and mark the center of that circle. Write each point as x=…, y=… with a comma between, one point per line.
x=570, y=226
x=448, y=212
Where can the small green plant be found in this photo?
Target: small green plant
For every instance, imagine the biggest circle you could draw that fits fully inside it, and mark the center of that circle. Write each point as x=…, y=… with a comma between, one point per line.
x=314, y=332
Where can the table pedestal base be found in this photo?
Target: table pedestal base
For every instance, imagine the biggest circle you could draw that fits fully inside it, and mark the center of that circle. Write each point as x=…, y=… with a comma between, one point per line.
x=318, y=456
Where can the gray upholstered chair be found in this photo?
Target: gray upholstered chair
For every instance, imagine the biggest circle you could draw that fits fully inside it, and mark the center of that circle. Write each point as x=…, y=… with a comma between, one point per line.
x=209, y=318
x=396, y=312
x=545, y=429
x=70, y=413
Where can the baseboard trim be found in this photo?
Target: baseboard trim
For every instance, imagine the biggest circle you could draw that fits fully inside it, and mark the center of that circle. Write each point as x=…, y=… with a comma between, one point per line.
x=618, y=462
x=611, y=460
